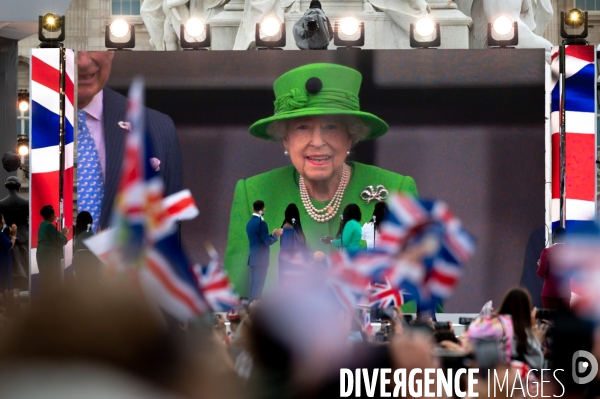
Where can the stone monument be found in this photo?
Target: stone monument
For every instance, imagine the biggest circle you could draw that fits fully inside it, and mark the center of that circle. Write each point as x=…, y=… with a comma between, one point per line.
x=532, y=17
x=463, y=23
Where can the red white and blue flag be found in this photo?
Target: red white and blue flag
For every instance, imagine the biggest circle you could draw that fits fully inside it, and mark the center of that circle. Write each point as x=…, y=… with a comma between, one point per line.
x=44, y=159
x=421, y=253
x=216, y=287
x=580, y=122
x=430, y=226
x=384, y=295
x=345, y=281
x=146, y=235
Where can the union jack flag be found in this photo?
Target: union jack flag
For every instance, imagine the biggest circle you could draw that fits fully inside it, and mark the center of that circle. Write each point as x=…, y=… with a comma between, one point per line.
x=383, y=295
x=421, y=252
x=146, y=236
x=347, y=284
x=429, y=227
x=216, y=287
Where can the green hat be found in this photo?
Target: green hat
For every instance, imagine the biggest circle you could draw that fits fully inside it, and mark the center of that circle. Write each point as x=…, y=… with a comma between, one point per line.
x=318, y=89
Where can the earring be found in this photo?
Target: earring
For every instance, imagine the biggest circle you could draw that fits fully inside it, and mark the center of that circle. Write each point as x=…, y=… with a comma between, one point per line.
x=286, y=153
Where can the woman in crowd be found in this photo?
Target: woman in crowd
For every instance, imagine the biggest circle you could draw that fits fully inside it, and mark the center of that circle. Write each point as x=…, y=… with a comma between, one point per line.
x=370, y=230
x=8, y=237
x=318, y=120
x=50, y=250
x=527, y=336
x=292, y=243
x=86, y=265
x=349, y=234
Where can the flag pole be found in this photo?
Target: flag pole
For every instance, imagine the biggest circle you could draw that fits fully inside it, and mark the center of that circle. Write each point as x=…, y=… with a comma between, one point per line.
x=61, y=147
x=563, y=136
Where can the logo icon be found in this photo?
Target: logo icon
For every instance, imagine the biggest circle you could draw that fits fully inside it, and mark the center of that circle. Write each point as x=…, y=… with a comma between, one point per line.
x=584, y=362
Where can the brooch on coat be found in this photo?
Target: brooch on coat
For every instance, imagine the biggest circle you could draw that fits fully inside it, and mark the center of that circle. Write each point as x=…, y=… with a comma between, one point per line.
x=379, y=193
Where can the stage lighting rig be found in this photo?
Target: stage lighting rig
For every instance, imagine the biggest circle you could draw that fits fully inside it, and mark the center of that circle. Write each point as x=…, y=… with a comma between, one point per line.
x=349, y=33
x=119, y=35
x=499, y=33
x=51, y=30
x=190, y=35
x=270, y=34
x=425, y=33
x=576, y=21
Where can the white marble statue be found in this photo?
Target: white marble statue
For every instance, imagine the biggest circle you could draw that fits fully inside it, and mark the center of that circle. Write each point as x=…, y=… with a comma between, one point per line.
x=164, y=17
x=254, y=12
x=402, y=13
x=543, y=13
x=177, y=13
x=153, y=16
x=527, y=13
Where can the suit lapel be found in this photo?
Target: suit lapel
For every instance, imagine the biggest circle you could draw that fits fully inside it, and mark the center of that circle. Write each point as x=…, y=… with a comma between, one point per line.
x=114, y=106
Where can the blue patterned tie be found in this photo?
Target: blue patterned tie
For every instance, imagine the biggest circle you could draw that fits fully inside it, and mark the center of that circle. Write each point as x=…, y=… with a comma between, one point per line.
x=90, y=183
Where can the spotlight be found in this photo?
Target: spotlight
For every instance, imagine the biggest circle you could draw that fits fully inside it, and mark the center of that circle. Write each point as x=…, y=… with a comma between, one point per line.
x=575, y=20
x=272, y=32
x=502, y=25
x=349, y=26
x=425, y=34
x=270, y=26
x=499, y=31
x=424, y=27
x=23, y=149
x=119, y=35
x=194, y=28
x=191, y=33
x=12, y=161
x=119, y=28
x=349, y=33
x=23, y=101
x=51, y=30
x=23, y=106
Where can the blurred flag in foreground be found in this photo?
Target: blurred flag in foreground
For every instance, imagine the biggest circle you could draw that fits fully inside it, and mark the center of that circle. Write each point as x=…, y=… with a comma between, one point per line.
x=215, y=285
x=421, y=253
x=383, y=295
x=144, y=237
x=579, y=261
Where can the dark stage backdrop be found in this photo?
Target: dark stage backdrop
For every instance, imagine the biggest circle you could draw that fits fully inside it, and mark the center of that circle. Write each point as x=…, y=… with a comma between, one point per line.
x=467, y=125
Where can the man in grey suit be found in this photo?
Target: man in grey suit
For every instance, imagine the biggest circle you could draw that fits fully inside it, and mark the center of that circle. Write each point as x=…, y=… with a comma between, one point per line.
x=105, y=118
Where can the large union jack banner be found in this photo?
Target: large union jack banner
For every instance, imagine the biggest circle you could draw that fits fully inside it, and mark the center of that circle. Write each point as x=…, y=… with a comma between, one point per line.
x=44, y=159
x=580, y=119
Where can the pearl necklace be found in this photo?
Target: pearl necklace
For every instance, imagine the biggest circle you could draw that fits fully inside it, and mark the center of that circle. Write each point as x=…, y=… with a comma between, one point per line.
x=327, y=213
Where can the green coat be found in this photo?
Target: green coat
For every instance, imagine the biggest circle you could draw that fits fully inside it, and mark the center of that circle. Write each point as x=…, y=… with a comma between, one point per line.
x=279, y=188
x=50, y=247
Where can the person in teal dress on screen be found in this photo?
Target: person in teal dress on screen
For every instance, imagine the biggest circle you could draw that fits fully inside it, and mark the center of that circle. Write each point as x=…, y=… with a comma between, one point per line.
x=349, y=235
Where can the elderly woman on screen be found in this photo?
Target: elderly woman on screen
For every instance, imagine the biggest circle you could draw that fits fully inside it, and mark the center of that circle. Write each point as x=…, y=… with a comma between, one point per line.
x=318, y=120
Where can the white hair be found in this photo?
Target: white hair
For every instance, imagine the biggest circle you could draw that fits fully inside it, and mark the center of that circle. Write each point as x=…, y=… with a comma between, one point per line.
x=358, y=129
